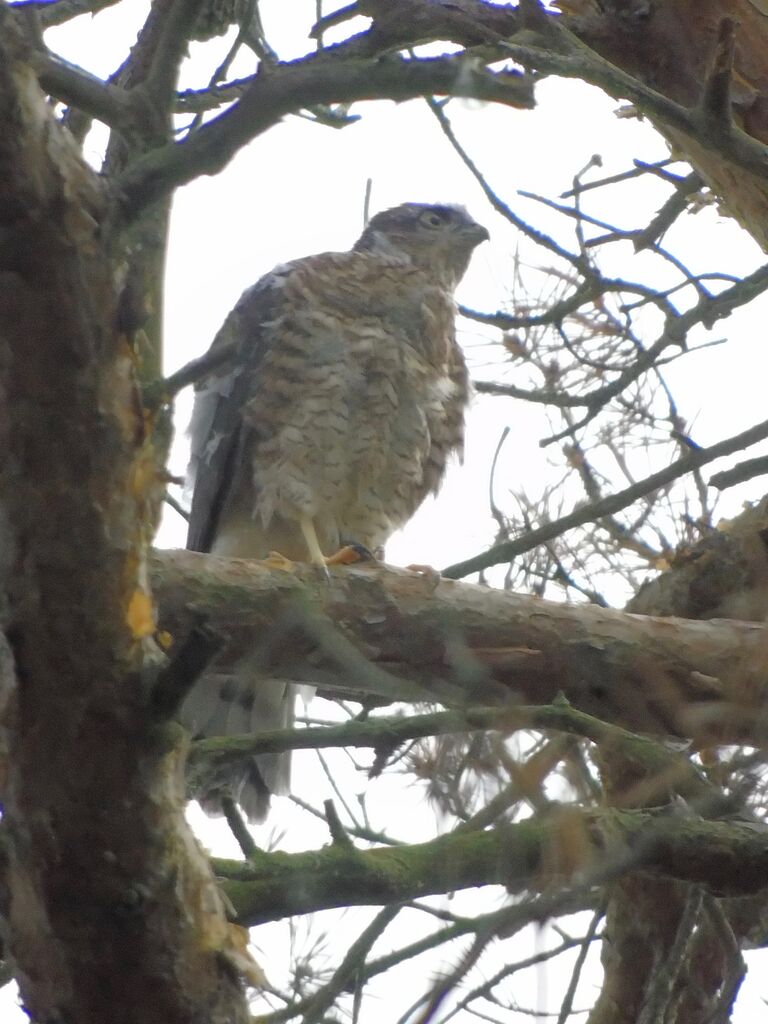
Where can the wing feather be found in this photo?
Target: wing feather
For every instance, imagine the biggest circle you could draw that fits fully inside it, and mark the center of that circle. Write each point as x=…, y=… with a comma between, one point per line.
x=217, y=427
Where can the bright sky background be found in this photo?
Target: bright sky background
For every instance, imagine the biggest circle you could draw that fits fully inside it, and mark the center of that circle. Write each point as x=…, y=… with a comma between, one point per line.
x=299, y=189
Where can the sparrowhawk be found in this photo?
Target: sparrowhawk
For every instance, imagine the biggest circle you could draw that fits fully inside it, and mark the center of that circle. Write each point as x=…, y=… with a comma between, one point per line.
x=331, y=423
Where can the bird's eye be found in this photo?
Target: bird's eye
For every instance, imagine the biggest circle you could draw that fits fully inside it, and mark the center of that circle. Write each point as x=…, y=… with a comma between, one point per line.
x=432, y=220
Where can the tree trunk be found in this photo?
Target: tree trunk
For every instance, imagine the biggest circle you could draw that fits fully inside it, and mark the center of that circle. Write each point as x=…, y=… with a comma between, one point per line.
x=112, y=913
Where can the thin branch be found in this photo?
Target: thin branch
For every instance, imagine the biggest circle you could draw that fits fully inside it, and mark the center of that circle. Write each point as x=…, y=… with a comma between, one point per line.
x=314, y=1008
x=189, y=661
x=169, y=51
x=332, y=20
x=614, y=179
x=163, y=391
x=738, y=474
x=508, y=550
x=669, y=212
x=176, y=506
x=222, y=70
x=237, y=827
x=359, y=831
x=451, y=979
x=736, y=968
x=573, y=984
x=484, y=991
x=496, y=202
x=391, y=731
x=198, y=101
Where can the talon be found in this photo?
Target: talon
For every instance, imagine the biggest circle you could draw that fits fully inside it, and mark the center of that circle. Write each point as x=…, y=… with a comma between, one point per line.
x=350, y=554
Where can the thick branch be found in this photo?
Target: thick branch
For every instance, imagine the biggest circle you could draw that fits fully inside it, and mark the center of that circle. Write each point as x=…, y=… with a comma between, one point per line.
x=730, y=859
x=79, y=88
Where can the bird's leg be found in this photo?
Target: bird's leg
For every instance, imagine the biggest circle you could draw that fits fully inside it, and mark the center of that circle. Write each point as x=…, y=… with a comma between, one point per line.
x=316, y=555
x=348, y=554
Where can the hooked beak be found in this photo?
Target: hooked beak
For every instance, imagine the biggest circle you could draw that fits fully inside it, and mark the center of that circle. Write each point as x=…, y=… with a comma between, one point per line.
x=476, y=233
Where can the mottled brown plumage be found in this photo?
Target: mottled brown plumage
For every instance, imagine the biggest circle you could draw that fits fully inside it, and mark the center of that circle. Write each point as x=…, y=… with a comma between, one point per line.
x=332, y=424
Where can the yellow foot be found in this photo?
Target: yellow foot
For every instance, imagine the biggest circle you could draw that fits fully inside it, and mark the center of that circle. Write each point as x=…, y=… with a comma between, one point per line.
x=350, y=554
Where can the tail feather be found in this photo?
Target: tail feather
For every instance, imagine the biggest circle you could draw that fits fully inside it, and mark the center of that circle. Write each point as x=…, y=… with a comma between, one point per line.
x=234, y=705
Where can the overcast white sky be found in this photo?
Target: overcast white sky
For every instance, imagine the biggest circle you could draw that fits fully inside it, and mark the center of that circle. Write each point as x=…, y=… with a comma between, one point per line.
x=299, y=189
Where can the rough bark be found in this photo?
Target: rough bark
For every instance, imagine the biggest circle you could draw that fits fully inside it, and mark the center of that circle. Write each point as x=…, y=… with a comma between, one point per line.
x=724, y=574
x=728, y=858
x=110, y=909
x=393, y=633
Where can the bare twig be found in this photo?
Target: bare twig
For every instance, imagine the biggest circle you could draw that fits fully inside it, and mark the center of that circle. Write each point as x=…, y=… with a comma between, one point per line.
x=669, y=212
x=496, y=202
x=51, y=14
x=612, y=503
x=314, y=1008
x=567, y=1005
x=614, y=179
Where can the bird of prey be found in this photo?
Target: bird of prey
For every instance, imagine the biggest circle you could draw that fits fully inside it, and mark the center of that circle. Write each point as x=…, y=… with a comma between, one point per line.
x=328, y=426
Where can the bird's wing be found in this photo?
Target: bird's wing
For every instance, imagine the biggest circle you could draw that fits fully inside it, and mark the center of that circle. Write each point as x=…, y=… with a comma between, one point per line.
x=216, y=429
x=333, y=286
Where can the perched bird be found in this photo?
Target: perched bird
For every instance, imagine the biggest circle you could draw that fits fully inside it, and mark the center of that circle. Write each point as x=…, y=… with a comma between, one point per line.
x=329, y=425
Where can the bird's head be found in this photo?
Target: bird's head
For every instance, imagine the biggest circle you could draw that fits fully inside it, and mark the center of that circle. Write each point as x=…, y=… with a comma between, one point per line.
x=438, y=238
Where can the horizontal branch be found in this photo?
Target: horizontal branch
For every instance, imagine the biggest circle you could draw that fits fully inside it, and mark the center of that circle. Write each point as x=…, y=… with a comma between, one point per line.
x=728, y=858
x=667, y=769
x=390, y=632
